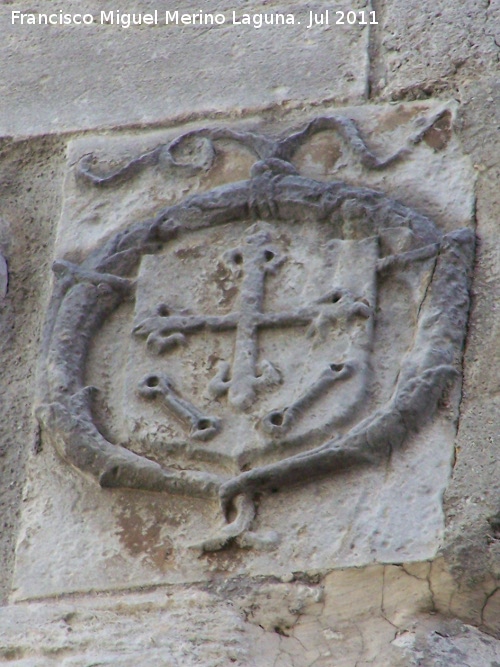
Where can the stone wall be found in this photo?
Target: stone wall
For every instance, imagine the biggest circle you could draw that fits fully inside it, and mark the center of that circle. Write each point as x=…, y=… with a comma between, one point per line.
x=290, y=456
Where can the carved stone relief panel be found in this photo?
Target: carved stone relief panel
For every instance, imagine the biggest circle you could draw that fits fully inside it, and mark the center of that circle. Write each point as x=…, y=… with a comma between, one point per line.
x=252, y=355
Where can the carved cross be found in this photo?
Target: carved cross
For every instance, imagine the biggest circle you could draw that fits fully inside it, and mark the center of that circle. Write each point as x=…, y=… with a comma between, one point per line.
x=256, y=259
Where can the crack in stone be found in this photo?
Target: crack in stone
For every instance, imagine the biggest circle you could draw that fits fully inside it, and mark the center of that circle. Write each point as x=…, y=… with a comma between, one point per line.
x=487, y=599
x=431, y=592
x=463, y=360
x=410, y=574
x=363, y=647
x=375, y=66
x=382, y=603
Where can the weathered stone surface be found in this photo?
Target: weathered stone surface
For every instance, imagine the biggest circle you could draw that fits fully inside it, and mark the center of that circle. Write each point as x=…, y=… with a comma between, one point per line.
x=473, y=497
x=431, y=47
x=101, y=75
x=447, y=642
x=373, y=616
x=29, y=204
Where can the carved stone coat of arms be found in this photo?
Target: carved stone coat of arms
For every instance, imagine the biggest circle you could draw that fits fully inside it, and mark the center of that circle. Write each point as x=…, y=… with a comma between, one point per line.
x=279, y=330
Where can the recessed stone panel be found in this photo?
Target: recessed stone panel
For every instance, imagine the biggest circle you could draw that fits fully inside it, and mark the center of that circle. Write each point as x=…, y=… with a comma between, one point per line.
x=252, y=356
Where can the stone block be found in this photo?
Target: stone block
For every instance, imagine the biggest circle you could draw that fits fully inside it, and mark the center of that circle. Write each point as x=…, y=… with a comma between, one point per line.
x=429, y=47
x=66, y=78
x=233, y=315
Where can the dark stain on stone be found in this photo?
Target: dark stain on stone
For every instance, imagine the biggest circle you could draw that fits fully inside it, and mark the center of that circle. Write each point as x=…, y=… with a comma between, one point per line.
x=439, y=134
x=11, y=653
x=494, y=522
x=230, y=165
x=188, y=253
x=225, y=283
x=399, y=116
x=221, y=562
x=142, y=536
x=323, y=150
x=213, y=361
